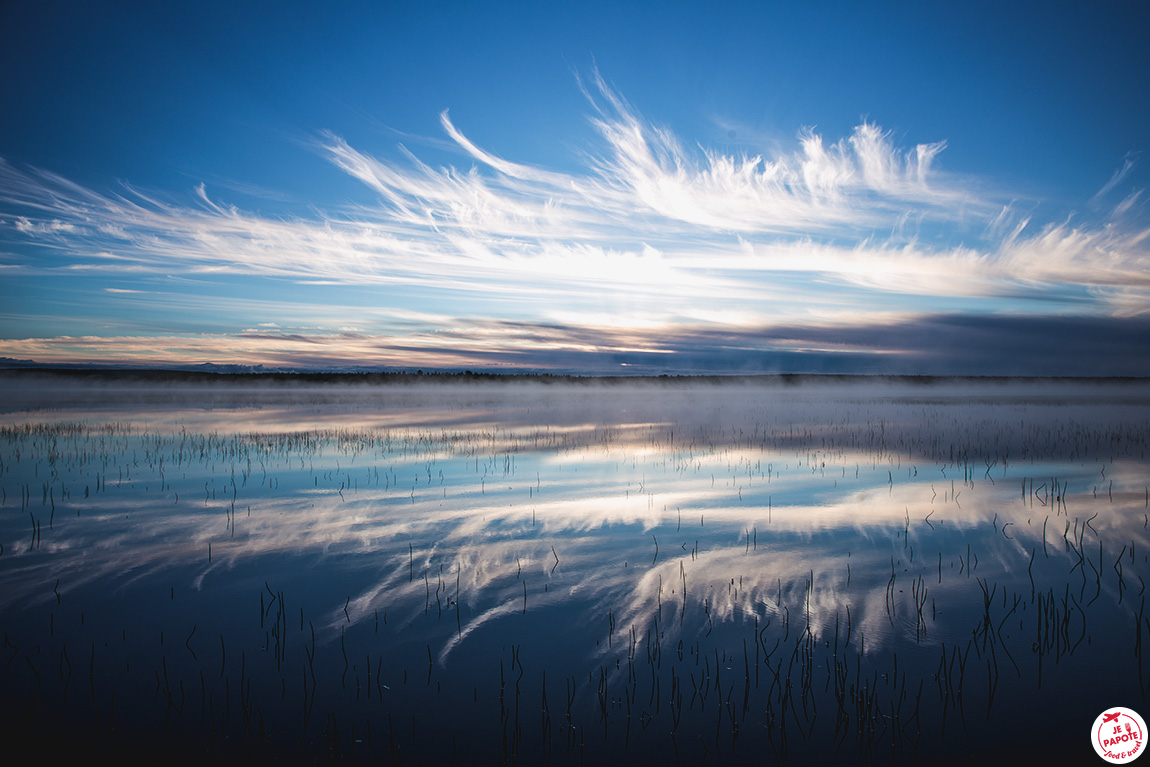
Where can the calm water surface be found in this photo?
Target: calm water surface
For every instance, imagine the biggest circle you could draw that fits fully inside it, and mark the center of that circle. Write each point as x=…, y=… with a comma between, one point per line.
x=575, y=573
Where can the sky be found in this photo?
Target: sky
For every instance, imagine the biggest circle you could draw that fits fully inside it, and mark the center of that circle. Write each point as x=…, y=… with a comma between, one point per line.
x=589, y=188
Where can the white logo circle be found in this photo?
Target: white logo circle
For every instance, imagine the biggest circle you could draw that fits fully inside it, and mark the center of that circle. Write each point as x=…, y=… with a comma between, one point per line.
x=1119, y=735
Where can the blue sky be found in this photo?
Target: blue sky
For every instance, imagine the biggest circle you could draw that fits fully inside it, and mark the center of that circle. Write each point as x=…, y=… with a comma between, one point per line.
x=703, y=188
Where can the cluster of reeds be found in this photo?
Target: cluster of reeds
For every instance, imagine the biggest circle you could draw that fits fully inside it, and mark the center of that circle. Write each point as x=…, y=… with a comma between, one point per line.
x=776, y=676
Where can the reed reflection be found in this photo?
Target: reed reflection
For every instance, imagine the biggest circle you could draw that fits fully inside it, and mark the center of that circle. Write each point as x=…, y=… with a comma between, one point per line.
x=856, y=542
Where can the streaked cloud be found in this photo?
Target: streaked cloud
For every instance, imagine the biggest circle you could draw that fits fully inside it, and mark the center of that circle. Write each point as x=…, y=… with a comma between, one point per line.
x=818, y=188
x=657, y=238
x=896, y=344
x=1120, y=174
x=1100, y=257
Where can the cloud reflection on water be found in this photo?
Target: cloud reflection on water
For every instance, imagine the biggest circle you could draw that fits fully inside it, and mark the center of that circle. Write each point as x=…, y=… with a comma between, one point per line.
x=590, y=524
x=483, y=488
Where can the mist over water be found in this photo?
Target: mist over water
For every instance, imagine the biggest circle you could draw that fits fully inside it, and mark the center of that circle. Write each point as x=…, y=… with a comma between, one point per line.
x=862, y=570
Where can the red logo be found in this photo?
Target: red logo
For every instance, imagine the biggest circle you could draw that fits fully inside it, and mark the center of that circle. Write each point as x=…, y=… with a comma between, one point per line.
x=1119, y=735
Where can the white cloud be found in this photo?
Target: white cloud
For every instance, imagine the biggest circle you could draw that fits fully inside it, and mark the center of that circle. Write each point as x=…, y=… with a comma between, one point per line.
x=819, y=188
x=651, y=228
x=1101, y=257
x=1127, y=165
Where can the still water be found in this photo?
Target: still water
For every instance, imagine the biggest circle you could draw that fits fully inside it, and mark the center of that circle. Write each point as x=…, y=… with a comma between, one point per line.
x=575, y=573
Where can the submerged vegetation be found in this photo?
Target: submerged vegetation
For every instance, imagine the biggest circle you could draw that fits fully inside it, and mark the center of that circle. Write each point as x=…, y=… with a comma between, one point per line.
x=837, y=570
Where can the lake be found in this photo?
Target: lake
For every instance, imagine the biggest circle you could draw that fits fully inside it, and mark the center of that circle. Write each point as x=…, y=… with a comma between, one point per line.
x=794, y=570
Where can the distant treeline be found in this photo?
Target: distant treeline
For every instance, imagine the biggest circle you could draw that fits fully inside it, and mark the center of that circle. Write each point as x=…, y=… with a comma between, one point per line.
x=170, y=376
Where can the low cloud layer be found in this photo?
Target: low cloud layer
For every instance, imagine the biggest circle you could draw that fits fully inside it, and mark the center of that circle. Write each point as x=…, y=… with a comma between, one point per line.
x=934, y=344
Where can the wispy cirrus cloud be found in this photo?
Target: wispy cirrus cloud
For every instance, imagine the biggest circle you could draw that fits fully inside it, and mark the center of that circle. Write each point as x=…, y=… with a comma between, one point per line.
x=651, y=233
x=1103, y=257
x=824, y=188
x=1128, y=163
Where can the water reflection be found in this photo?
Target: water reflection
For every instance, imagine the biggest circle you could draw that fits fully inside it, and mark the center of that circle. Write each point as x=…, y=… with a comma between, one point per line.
x=814, y=569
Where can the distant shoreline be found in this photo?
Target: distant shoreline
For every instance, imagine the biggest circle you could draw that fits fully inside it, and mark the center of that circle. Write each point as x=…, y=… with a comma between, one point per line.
x=170, y=376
